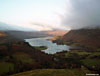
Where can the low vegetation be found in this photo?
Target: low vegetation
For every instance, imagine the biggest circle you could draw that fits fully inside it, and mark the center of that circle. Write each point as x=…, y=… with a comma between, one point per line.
x=40, y=47
x=6, y=67
x=19, y=56
x=54, y=72
x=23, y=58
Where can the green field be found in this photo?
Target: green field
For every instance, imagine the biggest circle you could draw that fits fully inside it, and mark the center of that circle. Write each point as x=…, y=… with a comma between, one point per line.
x=92, y=62
x=6, y=67
x=83, y=53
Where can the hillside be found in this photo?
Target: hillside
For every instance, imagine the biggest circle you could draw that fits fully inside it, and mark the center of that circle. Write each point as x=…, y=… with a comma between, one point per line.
x=18, y=56
x=54, y=72
x=26, y=34
x=88, y=37
x=57, y=32
x=5, y=38
x=36, y=34
x=2, y=34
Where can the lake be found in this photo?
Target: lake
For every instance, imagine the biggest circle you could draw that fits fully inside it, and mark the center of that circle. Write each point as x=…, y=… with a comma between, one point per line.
x=52, y=48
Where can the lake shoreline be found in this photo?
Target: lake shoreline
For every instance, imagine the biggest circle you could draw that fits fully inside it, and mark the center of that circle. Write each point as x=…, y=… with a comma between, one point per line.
x=52, y=48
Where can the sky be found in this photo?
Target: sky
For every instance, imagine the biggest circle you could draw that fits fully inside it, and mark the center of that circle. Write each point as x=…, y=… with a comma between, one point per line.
x=33, y=14
x=82, y=14
x=44, y=15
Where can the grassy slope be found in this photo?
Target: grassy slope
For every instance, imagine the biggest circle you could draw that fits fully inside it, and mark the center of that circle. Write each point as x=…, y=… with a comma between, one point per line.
x=54, y=72
x=92, y=62
x=6, y=67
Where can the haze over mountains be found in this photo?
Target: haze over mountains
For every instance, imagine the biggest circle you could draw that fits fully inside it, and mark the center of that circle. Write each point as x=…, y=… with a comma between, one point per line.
x=7, y=27
x=23, y=33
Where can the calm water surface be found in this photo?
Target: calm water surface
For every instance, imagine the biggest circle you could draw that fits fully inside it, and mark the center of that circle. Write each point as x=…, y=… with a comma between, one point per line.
x=52, y=47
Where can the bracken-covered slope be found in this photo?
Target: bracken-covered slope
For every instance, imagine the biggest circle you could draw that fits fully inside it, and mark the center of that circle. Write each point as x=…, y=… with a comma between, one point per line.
x=90, y=37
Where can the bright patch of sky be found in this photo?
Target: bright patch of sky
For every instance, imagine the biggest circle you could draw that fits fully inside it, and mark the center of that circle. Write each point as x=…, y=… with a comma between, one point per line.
x=34, y=14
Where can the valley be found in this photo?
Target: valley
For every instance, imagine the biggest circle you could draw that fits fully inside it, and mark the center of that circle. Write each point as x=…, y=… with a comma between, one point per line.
x=50, y=38
x=18, y=57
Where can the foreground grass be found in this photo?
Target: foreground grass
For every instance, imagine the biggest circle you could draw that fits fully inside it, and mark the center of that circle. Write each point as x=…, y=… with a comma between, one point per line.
x=92, y=62
x=54, y=72
x=6, y=67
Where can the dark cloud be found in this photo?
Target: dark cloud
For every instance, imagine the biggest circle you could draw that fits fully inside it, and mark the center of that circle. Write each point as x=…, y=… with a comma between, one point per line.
x=82, y=13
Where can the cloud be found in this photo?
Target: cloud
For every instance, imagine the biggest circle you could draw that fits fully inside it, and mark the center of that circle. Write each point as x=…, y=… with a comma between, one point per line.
x=43, y=27
x=82, y=13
